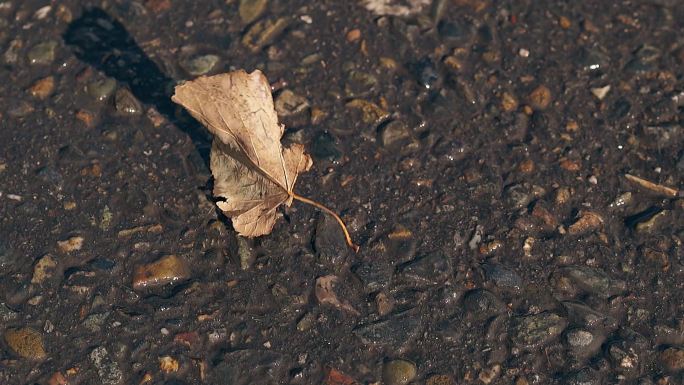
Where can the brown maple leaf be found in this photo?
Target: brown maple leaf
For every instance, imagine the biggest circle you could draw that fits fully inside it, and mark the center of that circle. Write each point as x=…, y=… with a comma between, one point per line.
x=251, y=169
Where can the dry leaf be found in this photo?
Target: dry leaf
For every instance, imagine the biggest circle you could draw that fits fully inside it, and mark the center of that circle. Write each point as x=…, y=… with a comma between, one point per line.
x=251, y=169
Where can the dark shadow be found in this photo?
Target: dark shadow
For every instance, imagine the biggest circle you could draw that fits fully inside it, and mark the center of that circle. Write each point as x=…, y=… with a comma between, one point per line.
x=103, y=42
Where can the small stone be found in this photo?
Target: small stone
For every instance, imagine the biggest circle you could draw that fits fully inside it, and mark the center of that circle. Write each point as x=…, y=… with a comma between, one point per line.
x=353, y=35
x=12, y=54
x=200, y=65
x=43, y=88
x=591, y=280
x=44, y=269
x=245, y=253
x=107, y=369
x=57, y=378
x=490, y=374
x=393, y=133
x=168, y=270
x=508, y=102
x=72, y=244
x=326, y=294
x=263, y=33
x=292, y=109
x=157, y=6
x=168, y=364
x=440, y=379
x=672, y=359
x=570, y=164
x=535, y=330
x=336, y=377
x=540, y=98
x=371, y=113
x=579, y=338
x=426, y=270
x=652, y=223
x=251, y=10
x=26, y=342
x=126, y=103
x=600, y=92
x=7, y=314
x=398, y=372
x=395, y=331
x=564, y=22
x=482, y=304
x=502, y=276
x=324, y=147
x=42, y=53
x=101, y=89
x=587, y=221
x=86, y=117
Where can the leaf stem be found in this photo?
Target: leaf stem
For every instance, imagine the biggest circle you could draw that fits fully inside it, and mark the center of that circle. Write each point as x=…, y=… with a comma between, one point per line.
x=333, y=214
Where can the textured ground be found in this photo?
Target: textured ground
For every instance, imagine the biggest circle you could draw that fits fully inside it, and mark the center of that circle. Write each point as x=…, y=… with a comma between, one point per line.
x=476, y=149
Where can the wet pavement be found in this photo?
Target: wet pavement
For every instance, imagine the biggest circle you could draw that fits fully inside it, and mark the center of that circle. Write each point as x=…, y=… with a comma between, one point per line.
x=477, y=151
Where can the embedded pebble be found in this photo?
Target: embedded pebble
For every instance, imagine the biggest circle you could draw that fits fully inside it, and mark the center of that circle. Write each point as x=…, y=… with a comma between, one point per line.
x=534, y=330
x=200, y=65
x=101, y=89
x=672, y=359
x=578, y=338
x=398, y=372
x=26, y=342
x=440, y=379
x=107, y=369
x=589, y=280
x=72, y=244
x=587, y=221
x=42, y=53
x=371, y=113
x=126, y=103
x=292, y=109
x=170, y=269
x=42, y=88
x=502, y=276
x=392, y=133
x=483, y=304
x=426, y=270
x=394, y=331
x=44, y=269
x=250, y=10
x=540, y=98
x=264, y=32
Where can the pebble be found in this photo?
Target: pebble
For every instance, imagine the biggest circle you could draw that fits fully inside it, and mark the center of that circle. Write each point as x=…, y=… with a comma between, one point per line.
x=326, y=294
x=42, y=53
x=251, y=10
x=672, y=359
x=490, y=374
x=535, y=330
x=26, y=342
x=393, y=133
x=440, y=379
x=592, y=280
x=101, y=89
x=324, y=147
x=72, y=244
x=426, y=270
x=200, y=65
x=126, y=103
x=43, y=269
x=168, y=364
x=371, y=113
x=483, y=304
x=329, y=243
x=395, y=331
x=587, y=221
x=593, y=60
x=7, y=314
x=502, y=276
x=11, y=55
x=292, y=109
x=540, y=98
x=600, y=92
x=43, y=88
x=263, y=33
x=107, y=369
x=579, y=338
x=170, y=269
x=398, y=372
